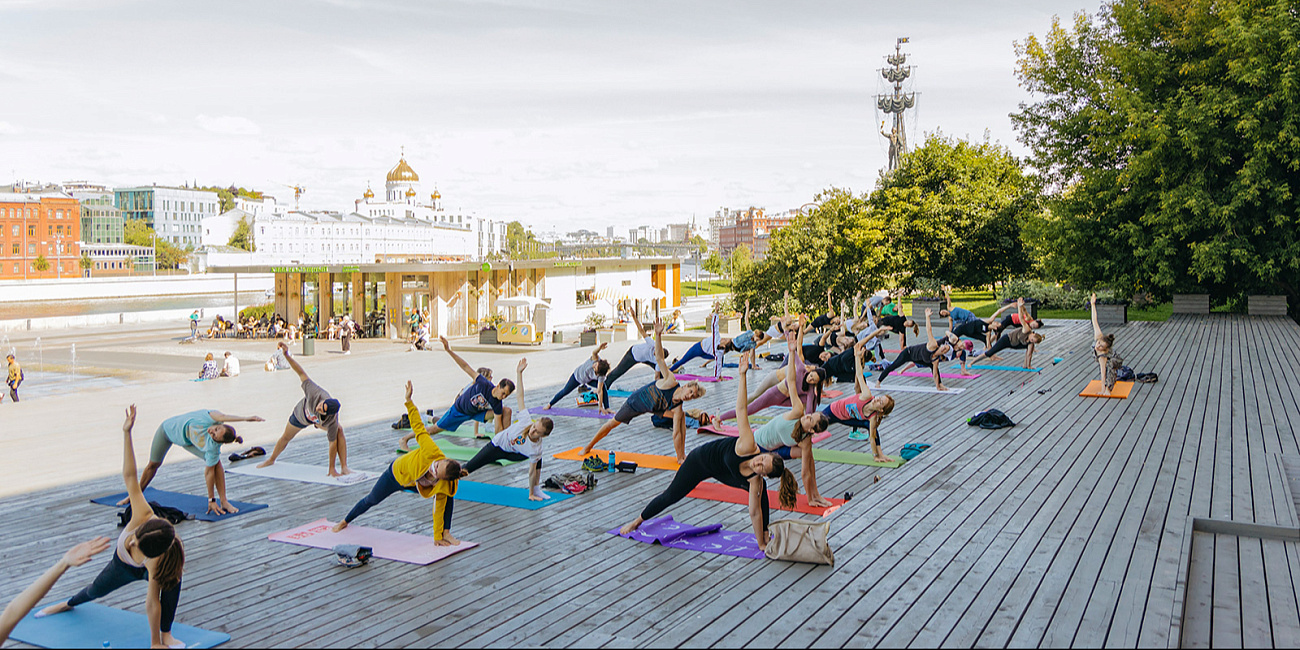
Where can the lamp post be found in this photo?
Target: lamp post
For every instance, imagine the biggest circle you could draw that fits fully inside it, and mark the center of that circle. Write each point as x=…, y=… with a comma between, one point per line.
x=58, y=252
x=153, y=236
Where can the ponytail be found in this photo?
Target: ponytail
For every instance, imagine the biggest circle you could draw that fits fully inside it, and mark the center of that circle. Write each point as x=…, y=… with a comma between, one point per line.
x=157, y=539
x=788, y=493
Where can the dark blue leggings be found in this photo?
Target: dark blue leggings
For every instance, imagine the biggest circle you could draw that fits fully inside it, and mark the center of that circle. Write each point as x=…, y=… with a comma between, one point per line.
x=696, y=352
x=118, y=574
x=385, y=487
x=572, y=385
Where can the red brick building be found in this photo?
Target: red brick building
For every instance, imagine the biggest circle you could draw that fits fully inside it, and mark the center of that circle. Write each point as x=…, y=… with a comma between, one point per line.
x=753, y=231
x=34, y=223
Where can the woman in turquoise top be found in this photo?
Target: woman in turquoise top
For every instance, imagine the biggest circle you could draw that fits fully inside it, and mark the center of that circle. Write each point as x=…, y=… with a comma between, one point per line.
x=790, y=436
x=201, y=433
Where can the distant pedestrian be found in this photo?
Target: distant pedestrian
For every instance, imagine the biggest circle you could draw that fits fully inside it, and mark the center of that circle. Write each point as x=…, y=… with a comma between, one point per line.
x=15, y=378
x=194, y=324
x=209, y=370
x=346, y=333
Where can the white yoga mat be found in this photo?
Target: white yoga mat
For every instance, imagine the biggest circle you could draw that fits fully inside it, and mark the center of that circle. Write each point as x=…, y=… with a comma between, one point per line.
x=915, y=389
x=296, y=472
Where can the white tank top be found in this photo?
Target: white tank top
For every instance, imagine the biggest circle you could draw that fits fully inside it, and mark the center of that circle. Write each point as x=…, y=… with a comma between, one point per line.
x=122, y=553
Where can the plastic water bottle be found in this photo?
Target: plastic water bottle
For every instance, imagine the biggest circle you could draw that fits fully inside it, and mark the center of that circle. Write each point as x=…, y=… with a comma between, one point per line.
x=107, y=645
x=612, y=469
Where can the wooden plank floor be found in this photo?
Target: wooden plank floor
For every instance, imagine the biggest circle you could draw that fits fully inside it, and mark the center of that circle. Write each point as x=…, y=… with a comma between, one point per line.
x=1068, y=529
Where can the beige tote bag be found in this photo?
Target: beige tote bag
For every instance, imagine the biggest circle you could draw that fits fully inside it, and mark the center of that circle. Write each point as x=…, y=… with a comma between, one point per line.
x=795, y=540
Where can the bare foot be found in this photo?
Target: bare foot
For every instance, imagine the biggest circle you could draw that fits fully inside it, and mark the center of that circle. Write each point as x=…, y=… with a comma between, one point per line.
x=58, y=608
x=547, y=407
x=447, y=540
x=881, y=458
x=628, y=528
x=346, y=470
x=403, y=444
x=819, y=502
x=339, y=526
x=124, y=501
x=333, y=473
x=171, y=641
x=266, y=463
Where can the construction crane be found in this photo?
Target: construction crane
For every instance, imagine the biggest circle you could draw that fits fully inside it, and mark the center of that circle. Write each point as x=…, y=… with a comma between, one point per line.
x=298, y=191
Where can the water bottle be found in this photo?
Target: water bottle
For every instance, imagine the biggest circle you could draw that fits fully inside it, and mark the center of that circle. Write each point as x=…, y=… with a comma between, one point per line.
x=612, y=469
x=107, y=645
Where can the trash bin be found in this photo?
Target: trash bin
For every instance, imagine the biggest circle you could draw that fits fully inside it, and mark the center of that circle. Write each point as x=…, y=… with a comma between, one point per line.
x=557, y=337
x=308, y=347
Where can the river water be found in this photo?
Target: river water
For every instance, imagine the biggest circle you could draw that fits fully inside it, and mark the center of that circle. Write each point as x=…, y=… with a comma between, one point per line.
x=52, y=308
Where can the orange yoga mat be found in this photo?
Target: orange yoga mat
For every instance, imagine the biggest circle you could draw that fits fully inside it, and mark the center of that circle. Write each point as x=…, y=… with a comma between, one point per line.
x=1095, y=389
x=642, y=460
x=727, y=494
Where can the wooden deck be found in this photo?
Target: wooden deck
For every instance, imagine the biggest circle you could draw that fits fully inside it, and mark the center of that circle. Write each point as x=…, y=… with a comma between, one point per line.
x=1093, y=522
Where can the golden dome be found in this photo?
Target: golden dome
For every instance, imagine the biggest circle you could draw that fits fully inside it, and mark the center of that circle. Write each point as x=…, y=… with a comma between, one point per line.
x=402, y=173
x=410, y=192
x=436, y=195
x=369, y=194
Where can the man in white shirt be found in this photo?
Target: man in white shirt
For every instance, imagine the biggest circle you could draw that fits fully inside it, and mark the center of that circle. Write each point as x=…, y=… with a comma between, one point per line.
x=231, y=367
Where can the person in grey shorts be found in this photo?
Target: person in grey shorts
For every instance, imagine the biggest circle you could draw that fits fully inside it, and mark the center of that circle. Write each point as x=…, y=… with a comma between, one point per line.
x=318, y=409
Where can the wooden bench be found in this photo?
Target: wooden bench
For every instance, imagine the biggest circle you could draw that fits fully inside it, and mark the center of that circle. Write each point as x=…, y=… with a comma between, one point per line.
x=1267, y=306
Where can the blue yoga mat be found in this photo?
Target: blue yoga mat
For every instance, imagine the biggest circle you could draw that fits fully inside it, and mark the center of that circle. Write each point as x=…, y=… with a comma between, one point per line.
x=188, y=503
x=1011, y=368
x=500, y=495
x=95, y=626
x=614, y=392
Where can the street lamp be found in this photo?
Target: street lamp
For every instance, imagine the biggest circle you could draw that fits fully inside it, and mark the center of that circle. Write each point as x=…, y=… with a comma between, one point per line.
x=153, y=236
x=58, y=251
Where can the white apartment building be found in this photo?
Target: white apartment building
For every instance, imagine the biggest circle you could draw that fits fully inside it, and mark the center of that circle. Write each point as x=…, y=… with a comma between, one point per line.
x=175, y=213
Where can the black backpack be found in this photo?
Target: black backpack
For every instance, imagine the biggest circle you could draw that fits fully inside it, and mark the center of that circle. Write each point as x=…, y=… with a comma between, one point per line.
x=1124, y=373
x=1147, y=378
x=166, y=512
x=403, y=423
x=990, y=419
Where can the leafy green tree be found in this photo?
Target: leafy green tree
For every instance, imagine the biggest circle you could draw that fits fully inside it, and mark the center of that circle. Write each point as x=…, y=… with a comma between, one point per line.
x=169, y=256
x=242, y=237
x=41, y=264
x=837, y=247
x=1170, y=131
x=740, y=261
x=226, y=195
x=699, y=243
x=85, y=262
x=953, y=210
x=712, y=263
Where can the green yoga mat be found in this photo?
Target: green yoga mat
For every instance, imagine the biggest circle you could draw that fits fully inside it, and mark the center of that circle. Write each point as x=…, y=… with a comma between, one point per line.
x=853, y=458
x=462, y=454
x=465, y=431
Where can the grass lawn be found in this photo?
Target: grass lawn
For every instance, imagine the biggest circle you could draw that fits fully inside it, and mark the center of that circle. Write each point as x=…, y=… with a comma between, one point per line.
x=706, y=287
x=984, y=303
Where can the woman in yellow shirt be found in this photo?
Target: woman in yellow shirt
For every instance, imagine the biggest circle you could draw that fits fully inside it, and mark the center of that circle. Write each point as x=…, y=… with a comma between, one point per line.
x=427, y=470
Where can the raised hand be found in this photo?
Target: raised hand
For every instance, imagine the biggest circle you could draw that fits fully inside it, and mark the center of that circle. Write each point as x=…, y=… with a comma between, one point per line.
x=659, y=327
x=446, y=345
x=523, y=363
x=410, y=390
x=744, y=361
x=129, y=423
x=81, y=553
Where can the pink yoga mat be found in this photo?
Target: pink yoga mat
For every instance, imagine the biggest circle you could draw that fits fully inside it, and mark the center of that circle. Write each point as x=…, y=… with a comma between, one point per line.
x=942, y=375
x=734, y=432
x=701, y=378
x=389, y=545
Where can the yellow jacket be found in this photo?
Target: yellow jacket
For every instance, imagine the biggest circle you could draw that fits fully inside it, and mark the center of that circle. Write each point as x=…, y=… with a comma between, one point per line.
x=415, y=463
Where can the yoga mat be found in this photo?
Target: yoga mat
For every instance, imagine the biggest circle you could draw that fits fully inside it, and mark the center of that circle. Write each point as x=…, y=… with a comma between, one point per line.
x=1095, y=389
x=500, y=495
x=188, y=503
x=574, y=413
x=458, y=453
x=95, y=626
x=734, y=431
x=614, y=392
x=1008, y=368
x=649, y=461
x=831, y=393
x=389, y=545
x=295, y=472
x=918, y=389
x=853, y=458
x=685, y=377
x=942, y=375
x=465, y=430
x=706, y=539
x=727, y=494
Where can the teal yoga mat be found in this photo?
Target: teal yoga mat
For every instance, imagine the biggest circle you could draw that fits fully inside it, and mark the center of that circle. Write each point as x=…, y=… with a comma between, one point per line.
x=500, y=495
x=1010, y=368
x=95, y=626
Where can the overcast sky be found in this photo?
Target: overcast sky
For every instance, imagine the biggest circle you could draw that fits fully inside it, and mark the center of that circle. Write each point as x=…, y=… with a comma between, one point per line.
x=562, y=114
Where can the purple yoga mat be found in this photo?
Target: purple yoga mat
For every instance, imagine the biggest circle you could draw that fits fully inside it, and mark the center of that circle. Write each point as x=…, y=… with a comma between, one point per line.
x=688, y=377
x=706, y=539
x=942, y=375
x=574, y=413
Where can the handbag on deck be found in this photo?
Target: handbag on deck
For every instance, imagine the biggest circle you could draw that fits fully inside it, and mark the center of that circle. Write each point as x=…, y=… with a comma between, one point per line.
x=794, y=540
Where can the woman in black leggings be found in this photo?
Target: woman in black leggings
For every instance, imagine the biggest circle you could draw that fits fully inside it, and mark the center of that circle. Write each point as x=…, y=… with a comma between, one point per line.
x=925, y=355
x=662, y=396
x=1021, y=338
x=731, y=461
x=640, y=353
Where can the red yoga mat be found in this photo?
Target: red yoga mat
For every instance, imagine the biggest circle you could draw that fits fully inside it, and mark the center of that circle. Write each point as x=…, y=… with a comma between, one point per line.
x=727, y=494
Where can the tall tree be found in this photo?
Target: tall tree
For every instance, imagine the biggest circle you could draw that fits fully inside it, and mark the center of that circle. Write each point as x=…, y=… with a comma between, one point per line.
x=838, y=246
x=1171, y=133
x=242, y=237
x=953, y=211
x=168, y=256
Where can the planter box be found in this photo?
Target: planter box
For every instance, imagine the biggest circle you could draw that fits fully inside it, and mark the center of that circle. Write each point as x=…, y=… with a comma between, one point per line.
x=611, y=334
x=919, y=305
x=727, y=325
x=1192, y=303
x=1112, y=314
x=1266, y=305
x=588, y=339
x=1031, y=306
x=488, y=336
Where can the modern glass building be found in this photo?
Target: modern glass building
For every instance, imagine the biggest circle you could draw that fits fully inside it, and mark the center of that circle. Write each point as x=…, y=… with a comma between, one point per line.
x=175, y=213
x=101, y=221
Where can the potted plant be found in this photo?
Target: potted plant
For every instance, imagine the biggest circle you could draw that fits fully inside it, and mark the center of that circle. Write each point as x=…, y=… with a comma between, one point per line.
x=1112, y=310
x=928, y=295
x=594, y=321
x=488, y=333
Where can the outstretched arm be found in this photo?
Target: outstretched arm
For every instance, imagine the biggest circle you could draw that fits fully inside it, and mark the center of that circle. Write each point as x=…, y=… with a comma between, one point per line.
x=293, y=363
x=221, y=418
x=16, y=610
x=636, y=320
x=998, y=314
x=791, y=381
x=595, y=355
x=519, y=383
x=665, y=370
x=929, y=331
x=1024, y=316
x=745, y=444
x=859, y=381
x=469, y=370
x=140, y=509
x=1096, y=325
